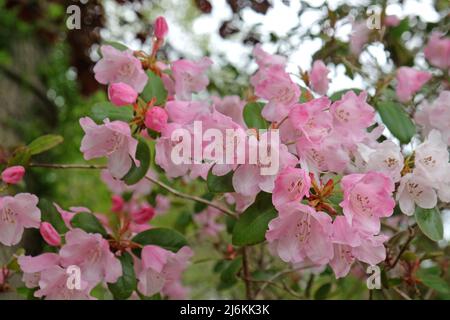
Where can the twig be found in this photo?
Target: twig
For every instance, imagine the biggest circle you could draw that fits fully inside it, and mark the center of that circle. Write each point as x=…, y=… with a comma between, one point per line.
x=155, y=181
x=402, y=294
x=411, y=236
x=248, y=288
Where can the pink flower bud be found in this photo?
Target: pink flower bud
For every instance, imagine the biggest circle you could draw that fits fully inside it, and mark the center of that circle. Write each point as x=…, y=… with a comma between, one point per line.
x=161, y=28
x=49, y=234
x=13, y=175
x=143, y=215
x=117, y=203
x=121, y=94
x=156, y=119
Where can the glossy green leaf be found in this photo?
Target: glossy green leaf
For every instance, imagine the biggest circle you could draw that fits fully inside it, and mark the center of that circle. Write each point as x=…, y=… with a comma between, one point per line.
x=154, y=88
x=339, y=94
x=166, y=238
x=220, y=184
x=397, y=120
x=137, y=173
x=431, y=278
x=126, y=284
x=253, y=223
x=253, y=117
x=88, y=222
x=430, y=222
x=228, y=275
x=52, y=216
x=103, y=110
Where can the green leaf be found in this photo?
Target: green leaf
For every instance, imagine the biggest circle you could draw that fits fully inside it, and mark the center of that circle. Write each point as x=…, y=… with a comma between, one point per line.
x=402, y=27
x=89, y=223
x=126, y=284
x=103, y=110
x=430, y=222
x=52, y=216
x=220, y=184
x=44, y=143
x=228, y=275
x=253, y=223
x=114, y=44
x=397, y=120
x=305, y=95
x=322, y=292
x=199, y=207
x=431, y=278
x=154, y=88
x=338, y=94
x=20, y=157
x=253, y=117
x=137, y=173
x=166, y=238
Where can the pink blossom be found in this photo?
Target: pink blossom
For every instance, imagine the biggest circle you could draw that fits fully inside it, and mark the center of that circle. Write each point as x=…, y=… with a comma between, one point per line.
x=318, y=77
x=276, y=86
x=367, y=198
x=156, y=119
x=311, y=121
x=16, y=214
x=300, y=233
x=117, y=203
x=359, y=37
x=111, y=139
x=415, y=189
x=68, y=215
x=391, y=21
x=161, y=271
x=91, y=253
x=207, y=221
x=143, y=215
x=350, y=245
x=352, y=115
x=436, y=115
x=161, y=27
x=264, y=59
x=190, y=76
x=50, y=235
x=33, y=266
x=13, y=175
x=185, y=112
x=409, y=81
x=437, y=51
x=121, y=94
x=291, y=184
x=231, y=106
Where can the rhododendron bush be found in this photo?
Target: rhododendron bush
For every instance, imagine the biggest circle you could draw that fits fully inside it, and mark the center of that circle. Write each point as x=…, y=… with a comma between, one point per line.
x=287, y=191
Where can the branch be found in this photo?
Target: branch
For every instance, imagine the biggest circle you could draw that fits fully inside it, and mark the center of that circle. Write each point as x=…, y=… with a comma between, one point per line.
x=248, y=289
x=155, y=181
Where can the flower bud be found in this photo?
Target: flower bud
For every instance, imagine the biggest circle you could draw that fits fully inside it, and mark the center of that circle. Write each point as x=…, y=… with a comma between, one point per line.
x=121, y=94
x=117, y=203
x=13, y=175
x=156, y=119
x=143, y=215
x=161, y=28
x=49, y=234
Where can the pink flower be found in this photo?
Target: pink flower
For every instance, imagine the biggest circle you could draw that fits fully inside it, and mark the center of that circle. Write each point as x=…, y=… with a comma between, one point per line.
x=143, y=214
x=91, y=253
x=161, y=28
x=352, y=115
x=276, y=86
x=409, y=81
x=161, y=271
x=156, y=119
x=121, y=94
x=291, y=184
x=367, y=198
x=350, y=244
x=415, y=189
x=185, y=112
x=50, y=235
x=207, y=221
x=318, y=77
x=53, y=286
x=437, y=50
x=190, y=77
x=359, y=37
x=120, y=66
x=231, y=106
x=111, y=139
x=117, y=203
x=301, y=233
x=16, y=214
x=13, y=175
x=391, y=21
x=33, y=266
x=436, y=115
x=264, y=59
x=311, y=120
